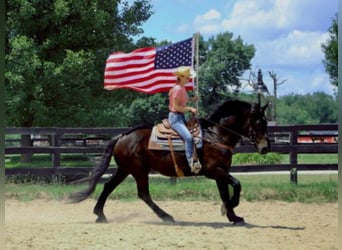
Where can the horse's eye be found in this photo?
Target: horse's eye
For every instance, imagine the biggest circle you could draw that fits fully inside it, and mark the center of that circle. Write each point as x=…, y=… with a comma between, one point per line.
x=261, y=122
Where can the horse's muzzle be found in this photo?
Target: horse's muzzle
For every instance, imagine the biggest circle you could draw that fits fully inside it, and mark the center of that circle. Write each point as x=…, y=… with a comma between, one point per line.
x=263, y=145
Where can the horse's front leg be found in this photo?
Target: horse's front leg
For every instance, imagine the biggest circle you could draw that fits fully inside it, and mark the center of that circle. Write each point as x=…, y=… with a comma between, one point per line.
x=229, y=203
x=235, y=183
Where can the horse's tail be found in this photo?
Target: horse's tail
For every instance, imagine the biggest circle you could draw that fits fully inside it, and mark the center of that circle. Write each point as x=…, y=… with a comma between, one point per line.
x=96, y=175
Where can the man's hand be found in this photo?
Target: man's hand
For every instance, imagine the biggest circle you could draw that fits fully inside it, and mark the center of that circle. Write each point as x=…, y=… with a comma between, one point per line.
x=195, y=98
x=193, y=110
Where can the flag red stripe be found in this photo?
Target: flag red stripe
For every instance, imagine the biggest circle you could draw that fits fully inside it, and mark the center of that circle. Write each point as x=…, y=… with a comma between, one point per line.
x=136, y=71
x=119, y=62
x=142, y=75
x=137, y=68
x=152, y=89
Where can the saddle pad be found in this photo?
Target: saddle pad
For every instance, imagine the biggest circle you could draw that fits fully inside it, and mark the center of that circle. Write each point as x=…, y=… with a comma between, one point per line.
x=156, y=143
x=163, y=133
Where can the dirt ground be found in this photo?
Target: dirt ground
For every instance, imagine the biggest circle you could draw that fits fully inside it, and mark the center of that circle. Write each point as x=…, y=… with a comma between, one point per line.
x=46, y=224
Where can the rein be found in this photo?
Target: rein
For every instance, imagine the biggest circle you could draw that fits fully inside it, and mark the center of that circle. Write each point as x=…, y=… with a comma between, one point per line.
x=228, y=130
x=223, y=146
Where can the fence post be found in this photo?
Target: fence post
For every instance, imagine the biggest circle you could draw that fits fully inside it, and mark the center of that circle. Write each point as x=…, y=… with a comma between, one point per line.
x=293, y=156
x=56, y=156
x=294, y=176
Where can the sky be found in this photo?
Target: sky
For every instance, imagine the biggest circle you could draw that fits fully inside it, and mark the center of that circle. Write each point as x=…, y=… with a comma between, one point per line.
x=287, y=34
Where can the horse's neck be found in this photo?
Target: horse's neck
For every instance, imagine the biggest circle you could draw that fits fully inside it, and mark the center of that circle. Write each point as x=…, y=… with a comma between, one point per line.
x=230, y=122
x=231, y=135
x=226, y=131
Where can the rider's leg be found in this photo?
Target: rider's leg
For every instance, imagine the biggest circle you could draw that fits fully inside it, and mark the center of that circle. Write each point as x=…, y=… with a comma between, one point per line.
x=177, y=123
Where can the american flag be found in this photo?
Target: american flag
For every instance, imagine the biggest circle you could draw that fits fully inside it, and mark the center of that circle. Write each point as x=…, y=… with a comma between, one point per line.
x=148, y=70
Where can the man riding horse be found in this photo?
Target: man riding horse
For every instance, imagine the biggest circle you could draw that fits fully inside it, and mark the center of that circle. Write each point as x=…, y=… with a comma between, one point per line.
x=178, y=99
x=222, y=130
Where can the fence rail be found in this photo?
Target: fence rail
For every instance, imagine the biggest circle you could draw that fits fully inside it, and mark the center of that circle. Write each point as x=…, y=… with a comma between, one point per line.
x=60, y=141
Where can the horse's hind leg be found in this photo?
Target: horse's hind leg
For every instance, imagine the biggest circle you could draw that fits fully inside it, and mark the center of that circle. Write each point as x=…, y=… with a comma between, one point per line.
x=144, y=194
x=109, y=186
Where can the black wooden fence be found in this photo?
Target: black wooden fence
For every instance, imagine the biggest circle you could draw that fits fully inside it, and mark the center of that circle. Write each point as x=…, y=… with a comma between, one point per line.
x=290, y=140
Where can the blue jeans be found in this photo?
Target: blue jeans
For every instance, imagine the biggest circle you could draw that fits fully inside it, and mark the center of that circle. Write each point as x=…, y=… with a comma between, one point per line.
x=177, y=122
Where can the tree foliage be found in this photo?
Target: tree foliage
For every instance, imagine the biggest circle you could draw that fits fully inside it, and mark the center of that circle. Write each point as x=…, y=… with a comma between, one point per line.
x=313, y=108
x=226, y=59
x=55, y=55
x=330, y=49
x=149, y=109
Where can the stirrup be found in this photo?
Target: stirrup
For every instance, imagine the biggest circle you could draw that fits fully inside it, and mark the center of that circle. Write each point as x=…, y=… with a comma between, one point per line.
x=196, y=167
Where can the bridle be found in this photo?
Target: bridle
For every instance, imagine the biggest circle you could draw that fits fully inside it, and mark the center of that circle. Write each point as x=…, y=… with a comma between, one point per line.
x=251, y=134
x=250, y=124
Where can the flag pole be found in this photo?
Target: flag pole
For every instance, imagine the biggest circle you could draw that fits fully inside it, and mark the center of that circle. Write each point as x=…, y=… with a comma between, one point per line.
x=197, y=67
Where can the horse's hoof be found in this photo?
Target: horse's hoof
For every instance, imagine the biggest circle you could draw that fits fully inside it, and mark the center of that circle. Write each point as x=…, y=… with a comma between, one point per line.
x=238, y=220
x=168, y=219
x=101, y=220
x=232, y=217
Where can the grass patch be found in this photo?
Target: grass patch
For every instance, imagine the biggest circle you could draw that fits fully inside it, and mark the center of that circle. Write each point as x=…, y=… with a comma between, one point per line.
x=318, y=158
x=38, y=160
x=310, y=189
x=309, y=193
x=89, y=160
x=277, y=158
x=45, y=160
x=255, y=158
x=28, y=192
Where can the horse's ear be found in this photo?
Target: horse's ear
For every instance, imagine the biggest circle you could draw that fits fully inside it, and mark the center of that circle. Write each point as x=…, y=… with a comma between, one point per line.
x=265, y=107
x=254, y=108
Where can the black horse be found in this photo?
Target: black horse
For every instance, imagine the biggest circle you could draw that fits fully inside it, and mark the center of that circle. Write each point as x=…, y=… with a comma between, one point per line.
x=221, y=132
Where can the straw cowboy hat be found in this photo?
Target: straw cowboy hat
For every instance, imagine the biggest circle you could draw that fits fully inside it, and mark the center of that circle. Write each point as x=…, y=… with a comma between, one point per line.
x=185, y=71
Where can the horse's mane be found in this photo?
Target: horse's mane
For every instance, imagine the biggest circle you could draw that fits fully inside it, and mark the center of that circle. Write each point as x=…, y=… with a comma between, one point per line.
x=227, y=108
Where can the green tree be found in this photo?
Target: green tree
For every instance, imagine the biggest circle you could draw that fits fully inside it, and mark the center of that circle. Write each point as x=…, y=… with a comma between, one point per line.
x=313, y=108
x=224, y=62
x=322, y=107
x=330, y=49
x=55, y=55
x=148, y=109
